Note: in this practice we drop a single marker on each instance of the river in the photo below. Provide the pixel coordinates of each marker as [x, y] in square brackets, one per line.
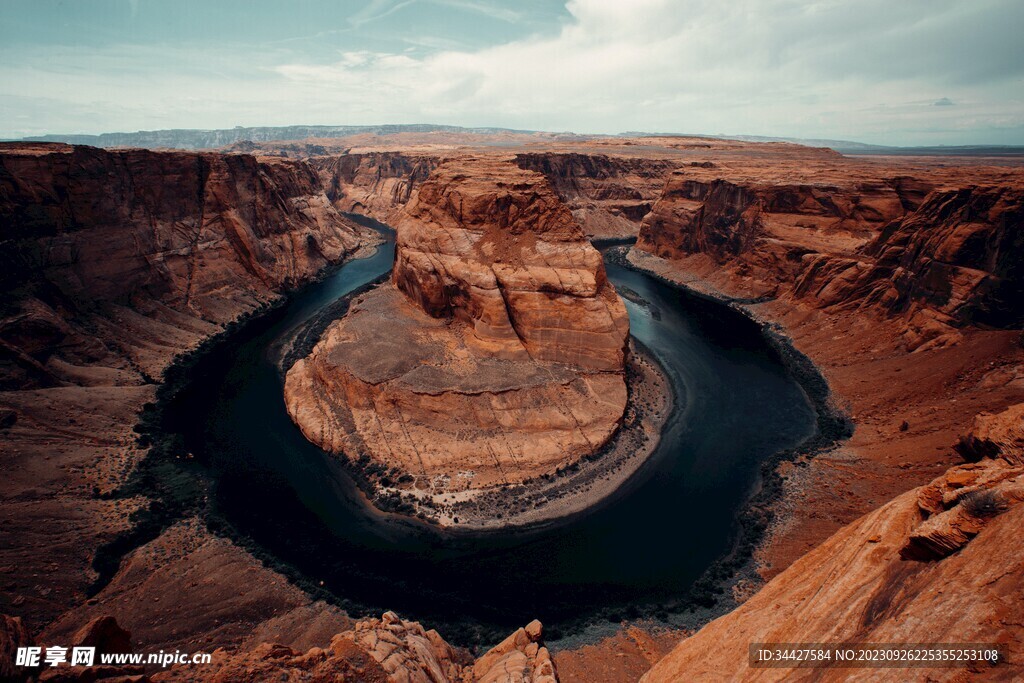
[638, 551]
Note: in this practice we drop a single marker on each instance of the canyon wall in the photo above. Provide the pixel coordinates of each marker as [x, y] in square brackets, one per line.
[114, 262]
[506, 344]
[377, 184]
[936, 256]
[904, 288]
[112, 257]
[760, 228]
[939, 564]
[958, 254]
[608, 195]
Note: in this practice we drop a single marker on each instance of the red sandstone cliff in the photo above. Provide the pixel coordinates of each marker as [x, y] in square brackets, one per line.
[608, 195]
[113, 257]
[493, 246]
[113, 263]
[377, 184]
[939, 259]
[766, 227]
[504, 359]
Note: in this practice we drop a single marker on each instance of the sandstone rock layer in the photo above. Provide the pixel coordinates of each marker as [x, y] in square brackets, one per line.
[938, 256]
[109, 251]
[504, 347]
[931, 566]
[493, 246]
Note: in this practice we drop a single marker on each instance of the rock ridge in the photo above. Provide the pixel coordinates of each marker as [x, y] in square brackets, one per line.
[506, 344]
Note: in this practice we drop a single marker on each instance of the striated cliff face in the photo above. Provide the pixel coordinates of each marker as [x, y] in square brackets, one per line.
[377, 184]
[608, 195]
[505, 351]
[106, 249]
[114, 262]
[935, 565]
[953, 262]
[718, 218]
[959, 253]
[940, 259]
[494, 247]
[769, 226]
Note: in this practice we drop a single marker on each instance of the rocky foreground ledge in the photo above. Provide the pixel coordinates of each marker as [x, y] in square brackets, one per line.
[388, 649]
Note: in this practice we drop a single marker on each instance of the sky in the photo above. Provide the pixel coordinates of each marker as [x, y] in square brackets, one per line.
[901, 72]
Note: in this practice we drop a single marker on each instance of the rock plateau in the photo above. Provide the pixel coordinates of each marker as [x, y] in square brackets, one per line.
[505, 348]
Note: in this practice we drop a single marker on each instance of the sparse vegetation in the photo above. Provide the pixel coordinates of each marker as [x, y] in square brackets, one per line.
[984, 503]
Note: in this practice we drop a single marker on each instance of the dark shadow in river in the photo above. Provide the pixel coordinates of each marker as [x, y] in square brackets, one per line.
[645, 546]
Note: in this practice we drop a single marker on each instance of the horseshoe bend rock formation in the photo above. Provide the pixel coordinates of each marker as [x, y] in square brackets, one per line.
[492, 245]
[496, 353]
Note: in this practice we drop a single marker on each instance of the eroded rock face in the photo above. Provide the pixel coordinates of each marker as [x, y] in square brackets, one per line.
[995, 436]
[505, 345]
[767, 228]
[608, 195]
[960, 253]
[491, 245]
[936, 564]
[197, 221]
[107, 239]
[937, 257]
[520, 657]
[388, 650]
[377, 184]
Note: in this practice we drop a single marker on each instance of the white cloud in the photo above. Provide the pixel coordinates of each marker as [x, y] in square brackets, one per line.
[782, 67]
[867, 70]
[377, 9]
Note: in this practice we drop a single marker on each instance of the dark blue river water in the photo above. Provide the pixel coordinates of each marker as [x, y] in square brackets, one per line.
[643, 547]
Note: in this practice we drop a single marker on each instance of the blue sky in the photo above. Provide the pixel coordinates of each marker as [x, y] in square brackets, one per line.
[882, 71]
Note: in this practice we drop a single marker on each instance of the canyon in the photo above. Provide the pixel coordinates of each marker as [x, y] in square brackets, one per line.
[899, 278]
[505, 348]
